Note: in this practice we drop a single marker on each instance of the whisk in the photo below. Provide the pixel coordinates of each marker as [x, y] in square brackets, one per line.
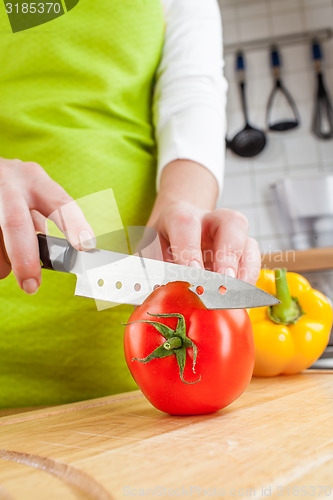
[322, 125]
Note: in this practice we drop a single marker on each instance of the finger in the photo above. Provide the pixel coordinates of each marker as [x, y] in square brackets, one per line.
[40, 222]
[183, 231]
[52, 201]
[149, 245]
[166, 250]
[250, 262]
[5, 266]
[20, 239]
[227, 230]
[209, 266]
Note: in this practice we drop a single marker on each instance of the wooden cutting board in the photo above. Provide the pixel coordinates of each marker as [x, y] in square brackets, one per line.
[277, 436]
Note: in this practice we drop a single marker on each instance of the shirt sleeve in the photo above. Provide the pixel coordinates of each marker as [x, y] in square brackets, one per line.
[190, 93]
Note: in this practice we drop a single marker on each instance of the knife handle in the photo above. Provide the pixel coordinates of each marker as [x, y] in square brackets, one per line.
[56, 253]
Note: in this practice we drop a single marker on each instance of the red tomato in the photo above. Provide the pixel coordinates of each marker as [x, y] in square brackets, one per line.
[225, 353]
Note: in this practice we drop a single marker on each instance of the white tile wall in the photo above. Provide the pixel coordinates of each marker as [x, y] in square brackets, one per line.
[297, 152]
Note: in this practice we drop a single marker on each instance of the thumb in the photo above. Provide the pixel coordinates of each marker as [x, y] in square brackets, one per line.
[184, 235]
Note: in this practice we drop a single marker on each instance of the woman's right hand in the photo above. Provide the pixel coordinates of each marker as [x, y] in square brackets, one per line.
[28, 196]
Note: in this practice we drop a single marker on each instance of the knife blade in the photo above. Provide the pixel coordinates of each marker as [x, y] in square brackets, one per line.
[129, 279]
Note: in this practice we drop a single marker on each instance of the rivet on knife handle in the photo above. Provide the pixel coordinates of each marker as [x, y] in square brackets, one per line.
[56, 253]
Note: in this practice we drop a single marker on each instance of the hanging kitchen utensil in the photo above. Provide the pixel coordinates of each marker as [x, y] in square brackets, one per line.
[250, 141]
[280, 89]
[322, 125]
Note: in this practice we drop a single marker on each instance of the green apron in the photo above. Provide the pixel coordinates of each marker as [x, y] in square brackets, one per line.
[76, 97]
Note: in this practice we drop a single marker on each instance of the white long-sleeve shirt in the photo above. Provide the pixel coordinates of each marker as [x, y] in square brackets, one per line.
[190, 94]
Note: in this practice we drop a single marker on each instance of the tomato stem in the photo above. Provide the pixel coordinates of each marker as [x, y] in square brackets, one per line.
[173, 343]
[177, 342]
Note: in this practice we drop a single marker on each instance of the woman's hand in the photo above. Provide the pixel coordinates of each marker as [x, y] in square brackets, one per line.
[192, 233]
[27, 197]
[216, 240]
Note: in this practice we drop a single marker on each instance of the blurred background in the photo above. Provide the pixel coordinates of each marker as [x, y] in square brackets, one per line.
[253, 26]
[286, 190]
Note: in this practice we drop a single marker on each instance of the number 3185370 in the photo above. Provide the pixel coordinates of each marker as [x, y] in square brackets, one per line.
[33, 8]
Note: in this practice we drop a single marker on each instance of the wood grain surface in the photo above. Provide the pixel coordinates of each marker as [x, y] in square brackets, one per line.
[313, 259]
[274, 440]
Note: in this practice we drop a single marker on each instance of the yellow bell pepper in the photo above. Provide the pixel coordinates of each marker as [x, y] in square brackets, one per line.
[292, 335]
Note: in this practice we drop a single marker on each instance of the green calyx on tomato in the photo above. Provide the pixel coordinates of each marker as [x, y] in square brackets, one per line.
[177, 342]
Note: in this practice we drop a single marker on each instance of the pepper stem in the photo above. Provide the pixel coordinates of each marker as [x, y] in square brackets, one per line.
[289, 310]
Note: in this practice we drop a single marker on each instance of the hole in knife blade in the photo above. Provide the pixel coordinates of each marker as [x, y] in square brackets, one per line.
[100, 282]
[119, 285]
[200, 290]
[156, 286]
[137, 287]
[222, 290]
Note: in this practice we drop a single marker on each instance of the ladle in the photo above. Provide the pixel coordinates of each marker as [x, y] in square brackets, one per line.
[250, 141]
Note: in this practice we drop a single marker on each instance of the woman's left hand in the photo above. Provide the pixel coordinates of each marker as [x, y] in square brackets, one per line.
[216, 240]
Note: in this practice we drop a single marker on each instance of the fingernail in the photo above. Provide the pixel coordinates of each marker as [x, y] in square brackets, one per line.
[195, 263]
[30, 286]
[230, 272]
[87, 241]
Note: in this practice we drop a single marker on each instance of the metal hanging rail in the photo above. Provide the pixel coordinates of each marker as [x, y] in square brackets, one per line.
[290, 39]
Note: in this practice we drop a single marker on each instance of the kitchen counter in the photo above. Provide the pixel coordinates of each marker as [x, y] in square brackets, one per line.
[277, 437]
[313, 259]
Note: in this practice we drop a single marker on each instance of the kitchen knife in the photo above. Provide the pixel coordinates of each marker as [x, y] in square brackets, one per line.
[129, 279]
